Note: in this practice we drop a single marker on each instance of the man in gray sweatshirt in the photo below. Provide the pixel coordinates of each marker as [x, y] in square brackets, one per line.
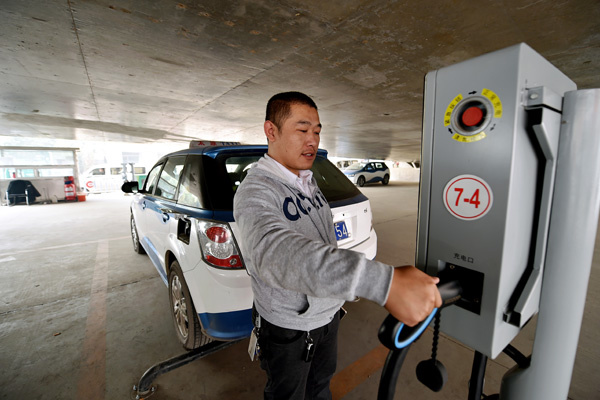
[300, 278]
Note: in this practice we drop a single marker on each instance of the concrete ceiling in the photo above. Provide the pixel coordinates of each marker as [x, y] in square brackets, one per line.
[162, 70]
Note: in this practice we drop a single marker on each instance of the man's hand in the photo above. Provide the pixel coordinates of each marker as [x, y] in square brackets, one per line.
[413, 295]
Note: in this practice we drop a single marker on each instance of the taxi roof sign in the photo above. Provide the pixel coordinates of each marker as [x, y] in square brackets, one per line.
[205, 143]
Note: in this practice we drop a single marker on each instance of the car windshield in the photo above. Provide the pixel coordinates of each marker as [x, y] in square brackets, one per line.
[355, 167]
[227, 171]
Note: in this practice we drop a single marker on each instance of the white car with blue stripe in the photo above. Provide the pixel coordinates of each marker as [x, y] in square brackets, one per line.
[369, 172]
[183, 219]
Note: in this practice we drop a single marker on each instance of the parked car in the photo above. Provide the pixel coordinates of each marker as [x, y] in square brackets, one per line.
[107, 177]
[370, 172]
[182, 218]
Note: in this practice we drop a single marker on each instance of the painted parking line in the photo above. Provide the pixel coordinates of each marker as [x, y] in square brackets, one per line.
[62, 246]
[92, 375]
[356, 373]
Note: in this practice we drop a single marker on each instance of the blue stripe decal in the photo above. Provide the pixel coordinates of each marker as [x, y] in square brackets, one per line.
[214, 151]
[193, 212]
[228, 325]
[225, 216]
[151, 251]
[359, 198]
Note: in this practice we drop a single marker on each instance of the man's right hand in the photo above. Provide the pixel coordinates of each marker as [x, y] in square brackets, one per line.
[413, 295]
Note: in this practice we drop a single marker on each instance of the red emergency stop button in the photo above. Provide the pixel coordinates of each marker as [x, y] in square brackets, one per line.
[472, 116]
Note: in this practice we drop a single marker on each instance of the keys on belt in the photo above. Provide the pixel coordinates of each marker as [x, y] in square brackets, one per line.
[309, 349]
[254, 348]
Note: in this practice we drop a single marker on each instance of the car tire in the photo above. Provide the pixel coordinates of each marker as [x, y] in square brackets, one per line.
[137, 246]
[360, 181]
[386, 179]
[187, 326]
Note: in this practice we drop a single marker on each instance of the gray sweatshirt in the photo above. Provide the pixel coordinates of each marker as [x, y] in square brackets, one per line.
[300, 278]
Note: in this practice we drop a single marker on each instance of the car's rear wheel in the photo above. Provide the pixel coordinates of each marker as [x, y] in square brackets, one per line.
[183, 312]
[386, 179]
[137, 247]
[361, 181]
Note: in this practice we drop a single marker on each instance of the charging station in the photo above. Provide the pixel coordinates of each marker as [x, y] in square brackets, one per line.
[488, 167]
[508, 208]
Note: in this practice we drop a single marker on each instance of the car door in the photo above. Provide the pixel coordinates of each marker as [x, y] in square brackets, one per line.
[370, 172]
[139, 207]
[159, 218]
[379, 171]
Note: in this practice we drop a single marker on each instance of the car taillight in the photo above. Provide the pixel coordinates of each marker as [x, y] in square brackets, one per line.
[218, 234]
[218, 245]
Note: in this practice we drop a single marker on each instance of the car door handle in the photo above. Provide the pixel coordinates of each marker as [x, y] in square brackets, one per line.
[143, 205]
[165, 213]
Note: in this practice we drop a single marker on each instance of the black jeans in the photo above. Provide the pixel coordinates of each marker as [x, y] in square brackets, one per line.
[289, 377]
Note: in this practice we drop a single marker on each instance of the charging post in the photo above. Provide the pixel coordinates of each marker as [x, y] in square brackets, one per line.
[508, 208]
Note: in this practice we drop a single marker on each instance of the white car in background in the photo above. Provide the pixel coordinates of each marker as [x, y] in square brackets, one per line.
[182, 218]
[107, 177]
[369, 172]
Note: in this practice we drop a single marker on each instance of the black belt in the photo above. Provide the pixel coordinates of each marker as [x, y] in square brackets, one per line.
[267, 324]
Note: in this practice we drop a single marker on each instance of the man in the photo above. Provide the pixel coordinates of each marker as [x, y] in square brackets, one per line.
[300, 278]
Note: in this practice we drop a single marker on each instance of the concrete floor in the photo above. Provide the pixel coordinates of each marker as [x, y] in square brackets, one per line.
[59, 261]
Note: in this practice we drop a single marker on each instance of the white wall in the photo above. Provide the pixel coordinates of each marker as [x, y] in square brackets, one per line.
[403, 172]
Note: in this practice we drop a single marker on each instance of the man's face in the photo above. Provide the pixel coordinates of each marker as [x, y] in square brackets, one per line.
[295, 144]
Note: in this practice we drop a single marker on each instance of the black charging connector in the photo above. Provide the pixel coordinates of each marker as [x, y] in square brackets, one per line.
[471, 283]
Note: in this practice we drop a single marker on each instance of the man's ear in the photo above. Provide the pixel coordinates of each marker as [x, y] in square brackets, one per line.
[270, 130]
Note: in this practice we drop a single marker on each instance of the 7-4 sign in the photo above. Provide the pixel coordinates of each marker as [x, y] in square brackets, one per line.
[468, 197]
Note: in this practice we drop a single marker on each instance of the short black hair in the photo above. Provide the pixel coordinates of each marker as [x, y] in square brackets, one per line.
[279, 106]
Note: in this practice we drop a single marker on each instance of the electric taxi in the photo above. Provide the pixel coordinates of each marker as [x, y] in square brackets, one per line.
[370, 172]
[182, 218]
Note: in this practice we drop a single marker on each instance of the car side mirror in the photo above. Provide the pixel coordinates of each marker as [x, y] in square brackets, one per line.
[130, 187]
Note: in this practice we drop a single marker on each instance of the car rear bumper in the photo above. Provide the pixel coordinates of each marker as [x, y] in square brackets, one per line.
[225, 326]
[368, 247]
[222, 299]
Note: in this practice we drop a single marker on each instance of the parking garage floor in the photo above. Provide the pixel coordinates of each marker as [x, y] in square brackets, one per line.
[83, 317]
